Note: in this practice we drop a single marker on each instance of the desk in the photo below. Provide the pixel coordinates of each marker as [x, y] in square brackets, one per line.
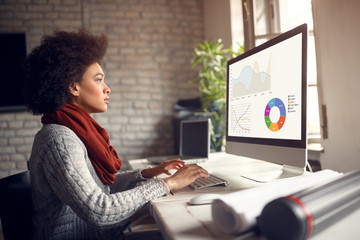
[179, 220]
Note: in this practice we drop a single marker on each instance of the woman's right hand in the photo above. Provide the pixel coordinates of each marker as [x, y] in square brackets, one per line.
[185, 176]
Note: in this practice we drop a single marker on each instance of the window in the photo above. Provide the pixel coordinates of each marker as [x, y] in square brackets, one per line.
[265, 19]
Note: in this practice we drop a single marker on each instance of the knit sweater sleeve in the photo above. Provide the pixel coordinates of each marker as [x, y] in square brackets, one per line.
[67, 170]
[126, 179]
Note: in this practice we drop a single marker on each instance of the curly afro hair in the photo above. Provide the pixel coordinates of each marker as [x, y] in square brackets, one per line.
[59, 61]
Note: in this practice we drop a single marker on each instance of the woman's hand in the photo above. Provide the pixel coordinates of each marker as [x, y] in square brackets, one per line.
[185, 176]
[164, 167]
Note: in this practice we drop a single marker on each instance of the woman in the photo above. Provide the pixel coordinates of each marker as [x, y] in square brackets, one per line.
[78, 191]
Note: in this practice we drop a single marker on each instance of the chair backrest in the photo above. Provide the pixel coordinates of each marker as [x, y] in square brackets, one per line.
[16, 206]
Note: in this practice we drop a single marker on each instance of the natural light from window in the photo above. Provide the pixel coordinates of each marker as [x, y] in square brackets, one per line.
[295, 13]
[272, 17]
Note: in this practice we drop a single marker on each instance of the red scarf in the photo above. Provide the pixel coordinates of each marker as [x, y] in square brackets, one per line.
[95, 138]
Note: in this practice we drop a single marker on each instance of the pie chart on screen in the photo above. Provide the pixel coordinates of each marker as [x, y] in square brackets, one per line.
[275, 107]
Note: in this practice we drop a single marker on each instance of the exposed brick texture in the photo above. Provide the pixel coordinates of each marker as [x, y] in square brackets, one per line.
[147, 66]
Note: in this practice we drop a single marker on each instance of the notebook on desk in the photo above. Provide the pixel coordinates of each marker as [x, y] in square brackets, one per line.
[194, 144]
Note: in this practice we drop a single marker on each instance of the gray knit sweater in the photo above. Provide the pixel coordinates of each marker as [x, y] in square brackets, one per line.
[70, 201]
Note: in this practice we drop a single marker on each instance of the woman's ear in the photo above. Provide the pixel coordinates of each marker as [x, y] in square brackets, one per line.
[74, 89]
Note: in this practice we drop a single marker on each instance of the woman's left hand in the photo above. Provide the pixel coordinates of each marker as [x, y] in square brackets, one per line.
[164, 167]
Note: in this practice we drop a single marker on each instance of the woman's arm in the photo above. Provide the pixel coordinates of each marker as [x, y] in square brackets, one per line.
[126, 179]
[163, 168]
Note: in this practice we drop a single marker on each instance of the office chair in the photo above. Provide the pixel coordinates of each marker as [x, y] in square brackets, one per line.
[16, 206]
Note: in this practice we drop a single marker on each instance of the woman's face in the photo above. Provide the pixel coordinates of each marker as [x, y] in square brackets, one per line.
[91, 93]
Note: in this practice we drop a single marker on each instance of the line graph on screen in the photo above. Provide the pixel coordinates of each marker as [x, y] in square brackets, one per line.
[241, 118]
[251, 80]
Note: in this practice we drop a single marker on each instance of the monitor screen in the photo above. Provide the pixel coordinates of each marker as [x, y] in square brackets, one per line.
[266, 101]
[12, 66]
[195, 138]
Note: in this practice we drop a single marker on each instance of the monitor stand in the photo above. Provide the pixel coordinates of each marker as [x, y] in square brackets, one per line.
[270, 175]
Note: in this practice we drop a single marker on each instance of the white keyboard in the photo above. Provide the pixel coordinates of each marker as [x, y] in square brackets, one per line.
[193, 160]
[208, 182]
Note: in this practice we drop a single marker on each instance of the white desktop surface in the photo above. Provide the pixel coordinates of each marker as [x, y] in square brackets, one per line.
[177, 219]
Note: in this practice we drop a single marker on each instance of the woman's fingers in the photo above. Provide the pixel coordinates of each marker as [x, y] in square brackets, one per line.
[185, 176]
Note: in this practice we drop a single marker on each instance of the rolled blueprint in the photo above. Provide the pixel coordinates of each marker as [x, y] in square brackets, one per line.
[237, 212]
[308, 212]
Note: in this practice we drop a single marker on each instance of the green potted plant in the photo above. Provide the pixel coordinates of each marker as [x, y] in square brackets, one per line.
[211, 59]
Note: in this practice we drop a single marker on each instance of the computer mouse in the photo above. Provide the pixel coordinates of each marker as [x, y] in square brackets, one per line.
[206, 198]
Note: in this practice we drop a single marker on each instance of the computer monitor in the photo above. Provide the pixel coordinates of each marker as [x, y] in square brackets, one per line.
[195, 138]
[266, 104]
